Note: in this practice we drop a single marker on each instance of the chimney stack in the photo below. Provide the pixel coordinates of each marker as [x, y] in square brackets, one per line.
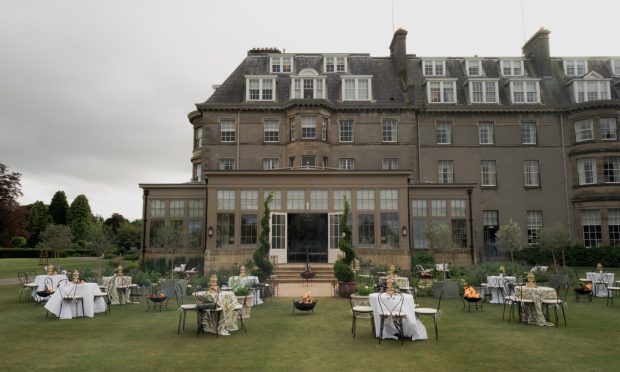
[537, 49]
[398, 51]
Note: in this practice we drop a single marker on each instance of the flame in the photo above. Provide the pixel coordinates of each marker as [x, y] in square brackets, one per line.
[307, 298]
[470, 292]
[589, 286]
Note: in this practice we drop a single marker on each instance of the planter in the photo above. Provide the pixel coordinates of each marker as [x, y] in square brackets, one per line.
[451, 289]
[245, 312]
[346, 289]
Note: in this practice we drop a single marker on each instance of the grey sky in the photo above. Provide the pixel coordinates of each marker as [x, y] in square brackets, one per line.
[94, 94]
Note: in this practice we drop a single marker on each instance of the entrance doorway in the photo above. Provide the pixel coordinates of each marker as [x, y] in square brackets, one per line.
[307, 237]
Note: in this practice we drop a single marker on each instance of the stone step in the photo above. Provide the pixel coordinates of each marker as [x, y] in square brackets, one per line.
[290, 273]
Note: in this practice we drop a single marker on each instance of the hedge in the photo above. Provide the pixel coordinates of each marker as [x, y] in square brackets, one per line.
[20, 253]
[575, 256]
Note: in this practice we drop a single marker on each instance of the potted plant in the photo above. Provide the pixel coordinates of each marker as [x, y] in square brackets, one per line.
[365, 286]
[342, 267]
[244, 293]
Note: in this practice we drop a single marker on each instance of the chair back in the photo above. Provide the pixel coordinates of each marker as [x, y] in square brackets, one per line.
[23, 277]
[508, 288]
[48, 287]
[604, 279]
[562, 291]
[420, 268]
[443, 288]
[391, 304]
[178, 291]
[66, 290]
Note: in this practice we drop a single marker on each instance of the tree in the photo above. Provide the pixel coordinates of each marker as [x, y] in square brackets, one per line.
[59, 207]
[115, 221]
[171, 237]
[99, 240]
[508, 240]
[38, 219]
[56, 238]
[128, 234]
[440, 238]
[261, 254]
[13, 217]
[79, 217]
[554, 238]
[342, 266]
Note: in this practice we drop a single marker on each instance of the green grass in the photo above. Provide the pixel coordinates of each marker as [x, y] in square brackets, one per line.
[132, 339]
[10, 266]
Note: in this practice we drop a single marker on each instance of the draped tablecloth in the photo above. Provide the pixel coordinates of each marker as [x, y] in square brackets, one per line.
[600, 290]
[532, 313]
[412, 327]
[71, 309]
[495, 283]
[119, 289]
[39, 280]
[248, 281]
[228, 320]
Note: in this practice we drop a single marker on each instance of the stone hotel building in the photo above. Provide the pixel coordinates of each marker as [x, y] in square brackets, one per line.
[471, 142]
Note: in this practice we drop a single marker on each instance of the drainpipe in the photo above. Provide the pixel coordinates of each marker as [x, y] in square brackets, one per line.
[238, 135]
[205, 227]
[145, 196]
[417, 144]
[568, 205]
[409, 218]
[471, 229]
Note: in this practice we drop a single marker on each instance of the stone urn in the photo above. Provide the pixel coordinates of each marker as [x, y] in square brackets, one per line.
[346, 289]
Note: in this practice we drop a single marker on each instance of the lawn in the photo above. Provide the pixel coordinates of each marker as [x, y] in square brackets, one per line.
[132, 339]
[10, 266]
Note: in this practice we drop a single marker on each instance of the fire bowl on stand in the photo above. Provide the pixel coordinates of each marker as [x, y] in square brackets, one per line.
[304, 306]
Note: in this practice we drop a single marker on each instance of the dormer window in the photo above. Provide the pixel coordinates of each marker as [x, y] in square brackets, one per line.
[441, 91]
[357, 88]
[473, 67]
[575, 67]
[483, 91]
[260, 88]
[592, 87]
[434, 67]
[525, 91]
[615, 66]
[308, 84]
[512, 67]
[281, 64]
[334, 64]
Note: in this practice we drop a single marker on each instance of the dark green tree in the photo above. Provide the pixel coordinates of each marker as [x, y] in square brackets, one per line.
[79, 217]
[99, 240]
[342, 266]
[56, 238]
[261, 254]
[38, 219]
[59, 207]
[128, 234]
[115, 221]
[13, 217]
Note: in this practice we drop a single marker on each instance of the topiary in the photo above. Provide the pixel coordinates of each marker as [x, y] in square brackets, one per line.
[342, 271]
[261, 255]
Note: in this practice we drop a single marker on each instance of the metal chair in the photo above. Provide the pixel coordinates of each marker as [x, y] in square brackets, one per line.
[238, 308]
[434, 313]
[390, 308]
[612, 291]
[361, 311]
[69, 295]
[209, 310]
[181, 307]
[106, 298]
[601, 281]
[560, 301]
[521, 302]
[507, 291]
[25, 284]
[48, 290]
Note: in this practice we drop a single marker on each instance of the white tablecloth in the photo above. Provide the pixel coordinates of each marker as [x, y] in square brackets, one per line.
[495, 283]
[412, 327]
[39, 281]
[69, 308]
[600, 290]
[247, 281]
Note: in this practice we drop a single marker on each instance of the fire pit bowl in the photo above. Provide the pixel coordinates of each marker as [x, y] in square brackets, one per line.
[304, 306]
[472, 299]
[583, 290]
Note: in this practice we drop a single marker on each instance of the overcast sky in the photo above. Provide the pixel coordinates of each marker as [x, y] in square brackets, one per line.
[94, 95]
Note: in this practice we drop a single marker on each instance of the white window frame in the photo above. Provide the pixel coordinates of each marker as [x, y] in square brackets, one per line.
[445, 171]
[435, 65]
[261, 87]
[197, 172]
[324, 124]
[391, 130]
[305, 125]
[344, 133]
[585, 86]
[280, 62]
[228, 126]
[197, 137]
[529, 135]
[319, 87]
[222, 164]
[487, 95]
[346, 163]
[443, 85]
[615, 66]
[357, 89]
[488, 173]
[572, 67]
[531, 173]
[611, 166]
[586, 170]
[609, 129]
[335, 59]
[469, 64]
[584, 130]
[271, 163]
[534, 225]
[291, 125]
[513, 64]
[443, 128]
[389, 163]
[523, 84]
[486, 133]
[271, 126]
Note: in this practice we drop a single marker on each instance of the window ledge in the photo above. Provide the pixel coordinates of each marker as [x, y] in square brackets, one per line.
[533, 187]
[488, 187]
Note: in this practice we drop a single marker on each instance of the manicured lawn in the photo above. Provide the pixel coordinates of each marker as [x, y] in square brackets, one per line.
[10, 266]
[132, 339]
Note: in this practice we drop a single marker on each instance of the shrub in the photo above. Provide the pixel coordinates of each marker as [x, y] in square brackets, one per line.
[342, 271]
[365, 290]
[422, 258]
[18, 242]
[241, 291]
[19, 253]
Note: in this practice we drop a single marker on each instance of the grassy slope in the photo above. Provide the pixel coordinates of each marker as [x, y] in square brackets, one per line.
[132, 339]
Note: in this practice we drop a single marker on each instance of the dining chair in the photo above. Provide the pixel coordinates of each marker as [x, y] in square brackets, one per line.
[391, 308]
[600, 282]
[239, 312]
[508, 295]
[612, 291]
[48, 290]
[26, 284]
[181, 307]
[521, 303]
[361, 311]
[434, 313]
[70, 295]
[560, 301]
[209, 310]
[106, 298]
